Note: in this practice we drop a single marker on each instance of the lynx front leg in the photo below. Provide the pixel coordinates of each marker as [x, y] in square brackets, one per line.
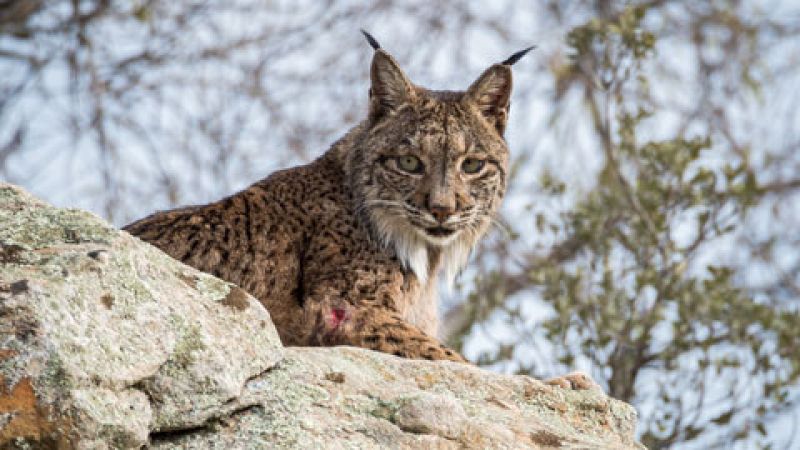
[376, 328]
[576, 381]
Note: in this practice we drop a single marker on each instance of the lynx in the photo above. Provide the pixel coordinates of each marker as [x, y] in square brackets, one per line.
[347, 250]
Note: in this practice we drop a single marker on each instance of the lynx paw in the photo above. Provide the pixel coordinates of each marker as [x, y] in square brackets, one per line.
[578, 381]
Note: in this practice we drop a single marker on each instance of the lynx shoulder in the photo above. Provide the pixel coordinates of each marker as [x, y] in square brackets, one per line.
[347, 249]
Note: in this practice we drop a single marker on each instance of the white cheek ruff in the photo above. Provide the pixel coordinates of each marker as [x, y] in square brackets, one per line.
[409, 247]
[414, 258]
[456, 253]
[454, 258]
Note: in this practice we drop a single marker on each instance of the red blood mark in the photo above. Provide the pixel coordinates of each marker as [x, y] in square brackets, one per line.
[338, 315]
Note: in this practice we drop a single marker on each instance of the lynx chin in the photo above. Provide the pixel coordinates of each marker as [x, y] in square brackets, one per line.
[347, 249]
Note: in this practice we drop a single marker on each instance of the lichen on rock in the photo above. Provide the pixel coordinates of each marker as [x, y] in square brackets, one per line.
[95, 320]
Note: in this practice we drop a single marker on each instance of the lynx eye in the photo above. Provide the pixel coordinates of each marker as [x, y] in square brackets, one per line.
[472, 165]
[410, 164]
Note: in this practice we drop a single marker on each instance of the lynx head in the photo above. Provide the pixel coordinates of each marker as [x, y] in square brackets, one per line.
[429, 168]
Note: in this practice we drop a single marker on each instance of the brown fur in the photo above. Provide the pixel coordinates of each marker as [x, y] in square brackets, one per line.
[337, 250]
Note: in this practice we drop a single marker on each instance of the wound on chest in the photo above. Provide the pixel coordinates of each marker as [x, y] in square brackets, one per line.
[337, 316]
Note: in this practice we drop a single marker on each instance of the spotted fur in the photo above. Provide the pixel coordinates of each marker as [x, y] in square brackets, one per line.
[346, 250]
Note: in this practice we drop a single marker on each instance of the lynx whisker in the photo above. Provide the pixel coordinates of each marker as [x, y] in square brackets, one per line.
[500, 225]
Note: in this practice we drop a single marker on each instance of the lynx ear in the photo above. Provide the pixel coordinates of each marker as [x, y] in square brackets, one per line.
[390, 88]
[491, 93]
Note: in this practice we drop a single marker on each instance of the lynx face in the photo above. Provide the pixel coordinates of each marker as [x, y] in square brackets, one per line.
[443, 180]
[432, 165]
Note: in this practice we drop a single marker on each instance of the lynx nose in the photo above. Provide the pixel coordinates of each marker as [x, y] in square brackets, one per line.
[441, 212]
[441, 204]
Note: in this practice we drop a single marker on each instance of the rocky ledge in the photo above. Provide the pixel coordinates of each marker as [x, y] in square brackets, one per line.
[105, 342]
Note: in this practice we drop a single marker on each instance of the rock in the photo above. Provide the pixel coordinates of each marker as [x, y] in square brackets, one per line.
[104, 339]
[105, 342]
[389, 402]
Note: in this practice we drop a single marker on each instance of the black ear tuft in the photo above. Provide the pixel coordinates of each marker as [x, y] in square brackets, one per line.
[517, 56]
[371, 40]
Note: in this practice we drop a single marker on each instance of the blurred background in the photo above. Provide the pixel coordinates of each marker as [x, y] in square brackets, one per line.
[652, 232]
